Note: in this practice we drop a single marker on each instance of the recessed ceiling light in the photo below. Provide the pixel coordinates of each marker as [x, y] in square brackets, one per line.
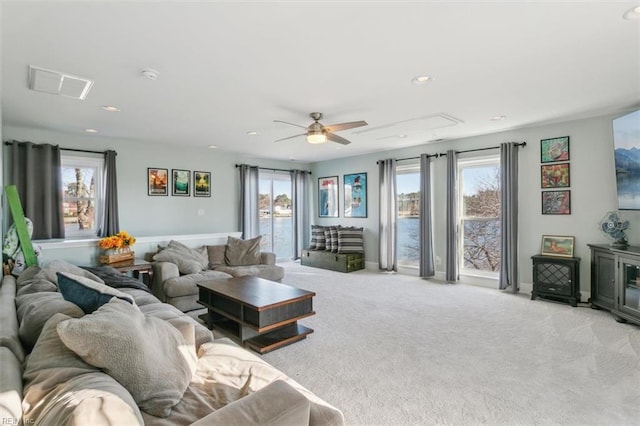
[150, 73]
[212, 146]
[402, 136]
[111, 108]
[633, 13]
[498, 118]
[421, 79]
[91, 130]
[252, 133]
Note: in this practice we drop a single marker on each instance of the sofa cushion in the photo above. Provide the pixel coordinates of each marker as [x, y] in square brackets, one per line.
[142, 353]
[216, 255]
[268, 272]
[50, 270]
[89, 295]
[276, 404]
[242, 252]
[10, 387]
[9, 326]
[60, 388]
[350, 240]
[35, 309]
[188, 260]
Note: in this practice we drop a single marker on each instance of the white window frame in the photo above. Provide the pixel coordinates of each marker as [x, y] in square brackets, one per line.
[489, 160]
[272, 176]
[407, 168]
[86, 161]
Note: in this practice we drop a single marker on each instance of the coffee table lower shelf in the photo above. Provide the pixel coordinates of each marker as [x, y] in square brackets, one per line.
[261, 343]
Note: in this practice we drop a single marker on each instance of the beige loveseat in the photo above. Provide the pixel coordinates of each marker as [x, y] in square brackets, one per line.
[178, 269]
[131, 361]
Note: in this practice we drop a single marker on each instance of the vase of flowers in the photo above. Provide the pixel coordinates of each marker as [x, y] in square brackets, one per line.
[117, 248]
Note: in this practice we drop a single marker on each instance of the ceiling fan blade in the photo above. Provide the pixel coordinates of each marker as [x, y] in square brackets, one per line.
[345, 126]
[335, 138]
[291, 137]
[291, 124]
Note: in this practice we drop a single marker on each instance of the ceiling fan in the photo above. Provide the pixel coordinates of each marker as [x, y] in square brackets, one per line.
[318, 133]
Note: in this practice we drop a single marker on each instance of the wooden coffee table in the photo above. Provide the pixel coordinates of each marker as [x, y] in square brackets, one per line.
[262, 314]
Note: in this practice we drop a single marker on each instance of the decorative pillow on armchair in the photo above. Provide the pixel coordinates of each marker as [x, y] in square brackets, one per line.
[188, 260]
[242, 252]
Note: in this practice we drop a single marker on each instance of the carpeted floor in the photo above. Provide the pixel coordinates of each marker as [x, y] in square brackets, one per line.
[391, 349]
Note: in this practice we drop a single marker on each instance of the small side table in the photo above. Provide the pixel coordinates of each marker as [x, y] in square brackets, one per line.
[139, 268]
[556, 278]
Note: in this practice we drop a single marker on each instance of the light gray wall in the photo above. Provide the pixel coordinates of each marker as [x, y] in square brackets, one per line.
[592, 186]
[593, 190]
[143, 215]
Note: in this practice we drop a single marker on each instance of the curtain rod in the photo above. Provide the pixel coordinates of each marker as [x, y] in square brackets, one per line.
[276, 170]
[67, 149]
[457, 152]
[523, 144]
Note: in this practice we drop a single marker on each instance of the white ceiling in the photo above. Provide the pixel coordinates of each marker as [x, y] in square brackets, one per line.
[227, 68]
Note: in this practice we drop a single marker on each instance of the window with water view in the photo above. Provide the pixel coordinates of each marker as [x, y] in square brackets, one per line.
[408, 204]
[81, 186]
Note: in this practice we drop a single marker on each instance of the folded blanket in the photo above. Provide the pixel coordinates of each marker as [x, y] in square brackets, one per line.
[114, 278]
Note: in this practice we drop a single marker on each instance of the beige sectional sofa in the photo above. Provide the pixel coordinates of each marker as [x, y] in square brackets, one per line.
[177, 269]
[74, 350]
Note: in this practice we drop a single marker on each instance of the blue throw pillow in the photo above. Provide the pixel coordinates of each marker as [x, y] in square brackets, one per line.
[89, 295]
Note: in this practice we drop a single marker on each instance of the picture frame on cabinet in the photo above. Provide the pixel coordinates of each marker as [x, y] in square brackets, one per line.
[557, 245]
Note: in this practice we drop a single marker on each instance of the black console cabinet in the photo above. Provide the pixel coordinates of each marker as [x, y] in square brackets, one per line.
[556, 277]
[615, 281]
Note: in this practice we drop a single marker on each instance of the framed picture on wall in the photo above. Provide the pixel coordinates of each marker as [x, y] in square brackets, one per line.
[202, 184]
[554, 175]
[157, 180]
[554, 149]
[355, 195]
[556, 202]
[328, 196]
[181, 180]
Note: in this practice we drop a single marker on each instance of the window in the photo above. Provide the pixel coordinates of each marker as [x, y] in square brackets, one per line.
[82, 183]
[408, 204]
[479, 203]
[275, 213]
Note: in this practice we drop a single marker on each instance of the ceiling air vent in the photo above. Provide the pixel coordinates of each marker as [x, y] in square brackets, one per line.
[58, 83]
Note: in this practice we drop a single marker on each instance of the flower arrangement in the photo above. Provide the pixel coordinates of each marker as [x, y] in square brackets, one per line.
[118, 241]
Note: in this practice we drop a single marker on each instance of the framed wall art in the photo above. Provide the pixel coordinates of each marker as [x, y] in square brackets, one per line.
[181, 180]
[555, 175]
[556, 202]
[355, 195]
[328, 196]
[157, 180]
[201, 184]
[554, 245]
[554, 149]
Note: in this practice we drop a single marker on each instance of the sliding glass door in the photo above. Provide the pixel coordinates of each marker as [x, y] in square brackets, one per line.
[275, 213]
[408, 202]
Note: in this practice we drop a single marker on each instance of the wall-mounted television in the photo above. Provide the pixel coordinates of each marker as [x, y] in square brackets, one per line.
[626, 142]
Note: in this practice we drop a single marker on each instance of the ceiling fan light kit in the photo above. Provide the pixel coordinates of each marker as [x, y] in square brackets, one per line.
[317, 133]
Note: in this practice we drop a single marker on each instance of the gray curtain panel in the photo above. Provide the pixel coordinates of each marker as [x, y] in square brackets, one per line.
[300, 209]
[249, 185]
[110, 217]
[452, 217]
[509, 216]
[36, 175]
[387, 256]
[427, 268]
